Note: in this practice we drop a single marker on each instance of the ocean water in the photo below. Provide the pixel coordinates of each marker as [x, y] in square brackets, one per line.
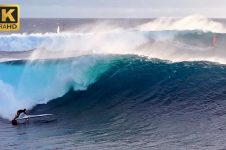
[115, 84]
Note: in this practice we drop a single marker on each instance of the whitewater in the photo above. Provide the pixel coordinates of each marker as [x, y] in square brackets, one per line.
[148, 83]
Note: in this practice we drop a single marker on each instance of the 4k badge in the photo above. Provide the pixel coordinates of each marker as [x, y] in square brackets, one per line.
[9, 18]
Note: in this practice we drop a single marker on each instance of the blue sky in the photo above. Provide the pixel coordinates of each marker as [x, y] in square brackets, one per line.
[119, 8]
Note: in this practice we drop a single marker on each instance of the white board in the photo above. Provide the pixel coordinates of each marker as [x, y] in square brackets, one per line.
[33, 116]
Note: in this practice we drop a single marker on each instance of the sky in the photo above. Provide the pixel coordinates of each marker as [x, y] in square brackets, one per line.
[119, 8]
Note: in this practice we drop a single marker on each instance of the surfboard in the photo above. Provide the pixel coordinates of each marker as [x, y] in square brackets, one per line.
[33, 116]
[42, 118]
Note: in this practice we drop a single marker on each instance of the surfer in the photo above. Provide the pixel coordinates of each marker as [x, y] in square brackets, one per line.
[19, 112]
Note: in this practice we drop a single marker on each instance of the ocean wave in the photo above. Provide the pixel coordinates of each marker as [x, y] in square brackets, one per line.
[38, 82]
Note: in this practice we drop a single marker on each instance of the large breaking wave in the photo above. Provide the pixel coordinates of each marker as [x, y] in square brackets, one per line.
[37, 81]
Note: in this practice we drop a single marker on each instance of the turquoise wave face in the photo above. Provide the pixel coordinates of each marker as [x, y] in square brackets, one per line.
[26, 84]
[133, 81]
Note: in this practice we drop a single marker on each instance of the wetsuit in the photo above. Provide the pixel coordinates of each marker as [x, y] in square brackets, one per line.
[20, 112]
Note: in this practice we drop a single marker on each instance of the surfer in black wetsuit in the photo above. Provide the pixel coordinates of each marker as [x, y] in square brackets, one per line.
[14, 122]
[20, 112]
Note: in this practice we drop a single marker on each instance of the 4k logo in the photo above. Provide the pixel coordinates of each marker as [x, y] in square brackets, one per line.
[9, 18]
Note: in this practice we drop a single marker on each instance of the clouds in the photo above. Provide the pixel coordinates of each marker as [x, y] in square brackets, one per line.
[119, 8]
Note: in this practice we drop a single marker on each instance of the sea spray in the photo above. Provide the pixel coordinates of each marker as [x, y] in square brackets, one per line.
[186, 39]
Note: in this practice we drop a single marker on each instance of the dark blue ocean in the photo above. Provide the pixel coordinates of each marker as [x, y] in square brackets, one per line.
[155, 84]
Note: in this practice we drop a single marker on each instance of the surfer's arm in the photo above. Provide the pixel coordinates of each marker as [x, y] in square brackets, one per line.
[25, 113]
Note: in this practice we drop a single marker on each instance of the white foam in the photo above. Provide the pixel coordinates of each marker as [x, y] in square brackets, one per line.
[194, 22]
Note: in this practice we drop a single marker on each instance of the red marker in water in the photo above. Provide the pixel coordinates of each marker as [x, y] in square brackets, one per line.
[214, 40]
